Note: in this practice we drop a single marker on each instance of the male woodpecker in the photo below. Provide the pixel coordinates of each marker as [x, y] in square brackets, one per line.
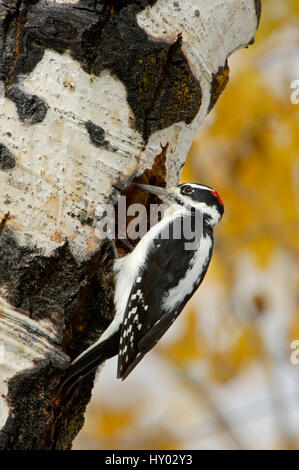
[155, 281]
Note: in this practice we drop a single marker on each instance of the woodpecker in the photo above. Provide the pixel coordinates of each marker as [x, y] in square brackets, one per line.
[155, 281]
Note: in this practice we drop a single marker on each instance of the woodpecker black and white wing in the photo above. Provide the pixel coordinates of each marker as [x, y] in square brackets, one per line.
[158, 296]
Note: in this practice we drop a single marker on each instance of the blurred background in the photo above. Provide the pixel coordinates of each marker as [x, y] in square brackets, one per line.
[222, 377]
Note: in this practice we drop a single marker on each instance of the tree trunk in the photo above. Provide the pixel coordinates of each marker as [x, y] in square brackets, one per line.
[93, 93]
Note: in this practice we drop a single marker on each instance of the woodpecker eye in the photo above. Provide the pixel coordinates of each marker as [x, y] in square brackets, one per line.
[187, 190]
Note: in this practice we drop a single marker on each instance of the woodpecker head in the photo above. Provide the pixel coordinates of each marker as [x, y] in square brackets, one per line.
[191, 195]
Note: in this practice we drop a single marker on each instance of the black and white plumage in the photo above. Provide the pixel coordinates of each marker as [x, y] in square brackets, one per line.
[156, 280]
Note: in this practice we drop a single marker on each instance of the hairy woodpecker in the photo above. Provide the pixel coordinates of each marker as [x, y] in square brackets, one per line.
[155, 281]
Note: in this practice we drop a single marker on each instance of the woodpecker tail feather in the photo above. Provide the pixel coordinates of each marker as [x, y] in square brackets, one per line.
[90, 360]
[147, 342]
[124, 374]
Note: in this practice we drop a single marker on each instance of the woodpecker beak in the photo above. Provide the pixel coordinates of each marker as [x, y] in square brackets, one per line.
[118, 186]
[156, 190]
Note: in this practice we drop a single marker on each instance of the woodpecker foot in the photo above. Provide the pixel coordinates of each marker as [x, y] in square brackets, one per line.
[107, 246]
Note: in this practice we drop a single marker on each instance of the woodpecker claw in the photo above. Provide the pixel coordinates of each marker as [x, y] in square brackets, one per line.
[109, 244]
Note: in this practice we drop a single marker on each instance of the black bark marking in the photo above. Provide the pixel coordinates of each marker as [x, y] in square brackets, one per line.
[219, 82]
[78, 300]
[5, 218]
[160, 85]
[83, 217]
[258, 10]
[97, 135]
[18, 53]
[31, 109]
[7, 159]
[44, 287]
[30, 394]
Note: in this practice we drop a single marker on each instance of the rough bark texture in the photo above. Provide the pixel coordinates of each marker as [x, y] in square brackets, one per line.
[94, 92]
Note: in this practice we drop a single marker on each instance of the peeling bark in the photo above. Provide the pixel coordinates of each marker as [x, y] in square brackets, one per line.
[94, 93]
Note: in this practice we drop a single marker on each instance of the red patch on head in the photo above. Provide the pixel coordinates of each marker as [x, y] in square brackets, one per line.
[218, 197]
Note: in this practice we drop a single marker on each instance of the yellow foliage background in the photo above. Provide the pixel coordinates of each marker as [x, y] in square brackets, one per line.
[222, 377]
